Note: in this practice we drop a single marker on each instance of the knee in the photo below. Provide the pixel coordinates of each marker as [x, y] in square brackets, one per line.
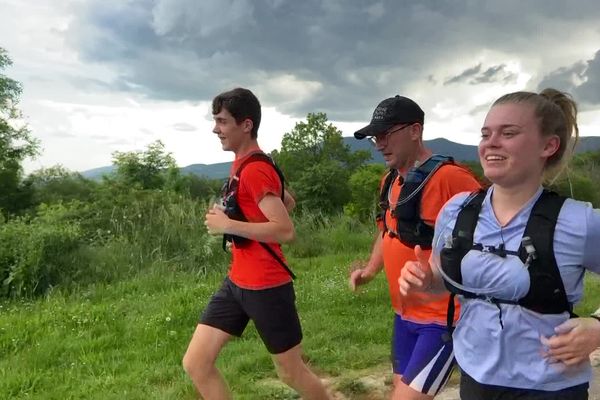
[196, 366]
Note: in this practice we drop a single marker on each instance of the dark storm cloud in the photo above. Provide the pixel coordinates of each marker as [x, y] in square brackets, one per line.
[589, 90]
[341, 57]
[493, 74]
[464, 76]
[474, 75]
[581, 79]
[564, 78]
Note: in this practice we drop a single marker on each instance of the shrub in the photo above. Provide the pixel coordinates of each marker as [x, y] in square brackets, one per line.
[33, 252]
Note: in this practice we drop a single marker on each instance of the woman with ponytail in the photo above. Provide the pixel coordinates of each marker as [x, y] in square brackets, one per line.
[516, 266]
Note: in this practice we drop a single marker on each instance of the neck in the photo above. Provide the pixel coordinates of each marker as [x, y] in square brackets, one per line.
[508, 201]
[246, 148]
[421, 155]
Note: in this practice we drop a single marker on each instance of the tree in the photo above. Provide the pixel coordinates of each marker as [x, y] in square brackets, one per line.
[150, 169]
[364, 191]
[317, 163]
[57, 184]
[16, 143]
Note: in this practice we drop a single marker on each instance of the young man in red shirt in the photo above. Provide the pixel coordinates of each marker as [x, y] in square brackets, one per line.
[258, 286]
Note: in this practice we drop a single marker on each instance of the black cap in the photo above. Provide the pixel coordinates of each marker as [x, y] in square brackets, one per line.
[393, 111]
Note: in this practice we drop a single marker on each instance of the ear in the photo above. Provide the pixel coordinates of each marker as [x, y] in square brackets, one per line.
[551, 146]
[248, 125]
[416, 131]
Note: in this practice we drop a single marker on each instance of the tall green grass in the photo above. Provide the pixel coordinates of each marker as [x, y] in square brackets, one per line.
[124, 338]
[73, 244]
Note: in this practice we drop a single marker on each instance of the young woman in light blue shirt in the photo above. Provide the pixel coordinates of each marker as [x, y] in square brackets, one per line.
[506, 350]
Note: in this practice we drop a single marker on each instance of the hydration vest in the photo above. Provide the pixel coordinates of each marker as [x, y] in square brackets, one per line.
[411, 230]
[546, 293]
[233, 210]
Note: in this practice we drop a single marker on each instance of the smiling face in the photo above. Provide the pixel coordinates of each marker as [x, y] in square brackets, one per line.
[231, 134]
[512, 150]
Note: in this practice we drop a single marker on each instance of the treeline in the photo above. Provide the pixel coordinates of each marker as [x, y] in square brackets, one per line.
[61, 230]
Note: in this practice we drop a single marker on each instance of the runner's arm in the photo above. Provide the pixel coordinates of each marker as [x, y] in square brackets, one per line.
[288, 201]
[278, 229]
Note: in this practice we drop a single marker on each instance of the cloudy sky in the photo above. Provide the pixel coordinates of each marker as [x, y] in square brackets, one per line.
[106, 75]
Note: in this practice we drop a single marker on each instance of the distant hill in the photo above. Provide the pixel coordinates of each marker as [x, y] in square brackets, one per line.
[97, 173]
[461, 152]
[218, 170]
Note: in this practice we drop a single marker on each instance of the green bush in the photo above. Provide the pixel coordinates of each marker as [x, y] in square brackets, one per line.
[364, 192]
[112, 238]
[318, 234]
[33, 252]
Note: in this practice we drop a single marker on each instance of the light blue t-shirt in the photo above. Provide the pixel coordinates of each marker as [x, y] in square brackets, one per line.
[511, 356]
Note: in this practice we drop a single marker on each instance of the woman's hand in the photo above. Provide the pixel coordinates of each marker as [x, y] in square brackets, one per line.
[574, 341]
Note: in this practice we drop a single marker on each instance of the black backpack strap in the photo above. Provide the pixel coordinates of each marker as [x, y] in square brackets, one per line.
[462, 241]
[424, 172]
[464, 229]
[411, 229]
[279, 260]
[547, 291]
[260, 156]
[384, 202]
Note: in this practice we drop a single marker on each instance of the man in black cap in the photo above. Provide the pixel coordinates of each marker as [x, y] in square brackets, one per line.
[413, 191]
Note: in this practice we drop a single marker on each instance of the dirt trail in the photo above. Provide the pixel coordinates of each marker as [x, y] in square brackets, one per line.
[375, 384]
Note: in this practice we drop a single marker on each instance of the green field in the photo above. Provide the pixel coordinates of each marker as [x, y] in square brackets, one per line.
[125, 340]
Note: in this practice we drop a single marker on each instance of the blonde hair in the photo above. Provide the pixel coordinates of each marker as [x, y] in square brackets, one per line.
[557, 115]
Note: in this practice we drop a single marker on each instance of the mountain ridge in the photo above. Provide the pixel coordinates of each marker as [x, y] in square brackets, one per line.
[460, 152]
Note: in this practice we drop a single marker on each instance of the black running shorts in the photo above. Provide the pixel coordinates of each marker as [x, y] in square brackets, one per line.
[272, 310]
[470, 389]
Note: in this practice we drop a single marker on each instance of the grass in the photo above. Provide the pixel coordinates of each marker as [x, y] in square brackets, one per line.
[125, 340]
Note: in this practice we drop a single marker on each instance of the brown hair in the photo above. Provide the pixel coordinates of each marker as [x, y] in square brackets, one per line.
[242, 104]
[557, 115]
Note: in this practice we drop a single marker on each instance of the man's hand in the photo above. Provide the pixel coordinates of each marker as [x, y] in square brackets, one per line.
[359, 275]
[574, 341]
[416, 275]
[217, 222]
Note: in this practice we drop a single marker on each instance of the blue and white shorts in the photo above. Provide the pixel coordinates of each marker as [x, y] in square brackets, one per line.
[421, 355]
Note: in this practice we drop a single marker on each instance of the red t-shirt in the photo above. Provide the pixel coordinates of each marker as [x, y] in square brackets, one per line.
[252, 267]
[422, 307]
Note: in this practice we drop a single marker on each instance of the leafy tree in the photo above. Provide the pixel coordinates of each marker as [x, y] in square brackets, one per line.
[57, 184]
[16, 143]
[150, 169]
[317, 163]
[198, 187]
[364, 191]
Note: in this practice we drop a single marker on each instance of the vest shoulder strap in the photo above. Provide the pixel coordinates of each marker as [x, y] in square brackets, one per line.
[540, 230]
[260, 156]
[467, 218]
[434, 162]
[387, 182]
[425, 171]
